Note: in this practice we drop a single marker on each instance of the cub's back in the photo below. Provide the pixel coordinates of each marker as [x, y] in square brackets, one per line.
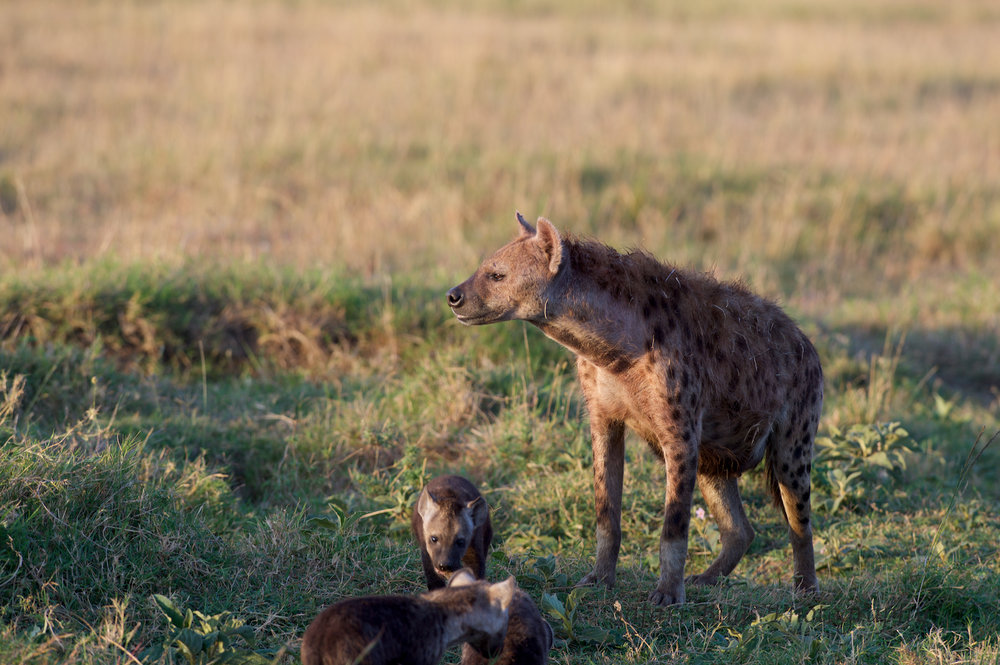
[393, 627]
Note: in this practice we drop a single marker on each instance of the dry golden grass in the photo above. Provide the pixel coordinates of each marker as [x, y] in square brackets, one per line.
[762, 138]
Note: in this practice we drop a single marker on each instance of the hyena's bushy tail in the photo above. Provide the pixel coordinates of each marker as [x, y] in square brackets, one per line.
[771, 481]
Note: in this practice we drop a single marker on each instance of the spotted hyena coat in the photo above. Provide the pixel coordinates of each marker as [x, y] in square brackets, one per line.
[712, 376]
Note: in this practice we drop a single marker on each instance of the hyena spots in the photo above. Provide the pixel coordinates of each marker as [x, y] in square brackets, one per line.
[712, 376]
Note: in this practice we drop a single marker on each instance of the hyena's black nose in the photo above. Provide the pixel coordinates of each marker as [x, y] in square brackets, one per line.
[455, 297]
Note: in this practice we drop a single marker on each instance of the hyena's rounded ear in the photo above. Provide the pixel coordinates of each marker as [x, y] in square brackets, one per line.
[480, 511]
[526, 228]
[503, 592]
[464, 577]
[426, 504]
[551, 243]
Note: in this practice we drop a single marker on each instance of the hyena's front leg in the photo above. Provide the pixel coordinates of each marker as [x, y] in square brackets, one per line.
[680, 456]
[608, 441]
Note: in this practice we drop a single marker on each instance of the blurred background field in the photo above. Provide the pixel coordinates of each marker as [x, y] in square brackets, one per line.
[226, 230]
[842, 157]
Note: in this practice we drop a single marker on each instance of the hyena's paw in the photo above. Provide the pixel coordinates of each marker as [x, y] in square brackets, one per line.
[595, 578]
[705, 579]
[806, 585]
[663, 597]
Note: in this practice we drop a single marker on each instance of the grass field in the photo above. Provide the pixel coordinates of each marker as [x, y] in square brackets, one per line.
[227, 367]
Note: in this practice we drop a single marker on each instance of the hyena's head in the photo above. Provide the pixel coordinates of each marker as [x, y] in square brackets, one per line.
[513, 283]
[448, 527]
[481, 609]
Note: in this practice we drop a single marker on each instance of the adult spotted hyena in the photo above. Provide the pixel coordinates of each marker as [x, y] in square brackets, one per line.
[713, 377]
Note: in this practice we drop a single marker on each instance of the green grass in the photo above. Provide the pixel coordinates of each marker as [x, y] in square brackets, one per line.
[269, 486]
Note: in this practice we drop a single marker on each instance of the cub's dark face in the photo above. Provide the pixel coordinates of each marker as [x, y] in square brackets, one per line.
[448, 528]
[447, 537]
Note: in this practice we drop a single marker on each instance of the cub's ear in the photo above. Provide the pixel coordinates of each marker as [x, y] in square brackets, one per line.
[503, 592]
[526, 228]
[464, 577]
[480, 511]
[426, 505]
[551, 243]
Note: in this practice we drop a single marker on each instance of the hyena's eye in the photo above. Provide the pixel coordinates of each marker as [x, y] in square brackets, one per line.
[460, 542]
[495, 276]
[434, 539]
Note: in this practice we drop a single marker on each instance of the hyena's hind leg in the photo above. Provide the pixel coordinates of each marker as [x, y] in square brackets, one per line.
[722, 497]
[790, 470]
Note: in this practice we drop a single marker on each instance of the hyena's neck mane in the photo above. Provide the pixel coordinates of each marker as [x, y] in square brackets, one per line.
[617, 307]
[603, 295]
[621, 276]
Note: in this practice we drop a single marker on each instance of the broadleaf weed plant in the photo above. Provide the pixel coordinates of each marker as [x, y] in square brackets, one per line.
[568, 624]
[849, 463]
[202, 639]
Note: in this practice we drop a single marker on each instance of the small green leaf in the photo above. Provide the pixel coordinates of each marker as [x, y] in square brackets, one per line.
[190, 639]
[588, 633]
[551, 602]
[168, 608]
[246, 632]
[185, 651]
[152, 655]
[321, 523]
[576, 595]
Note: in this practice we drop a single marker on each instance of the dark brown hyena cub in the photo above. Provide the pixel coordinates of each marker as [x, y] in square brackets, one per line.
[385, 630]
[451, 522]
[529, 638]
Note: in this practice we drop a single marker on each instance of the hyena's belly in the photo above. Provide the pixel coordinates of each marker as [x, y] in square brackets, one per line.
[732, 441]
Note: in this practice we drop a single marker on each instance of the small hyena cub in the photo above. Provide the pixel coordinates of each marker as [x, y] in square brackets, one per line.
[451, 522]
[712, 376]
[529, 638]
[384, 630]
